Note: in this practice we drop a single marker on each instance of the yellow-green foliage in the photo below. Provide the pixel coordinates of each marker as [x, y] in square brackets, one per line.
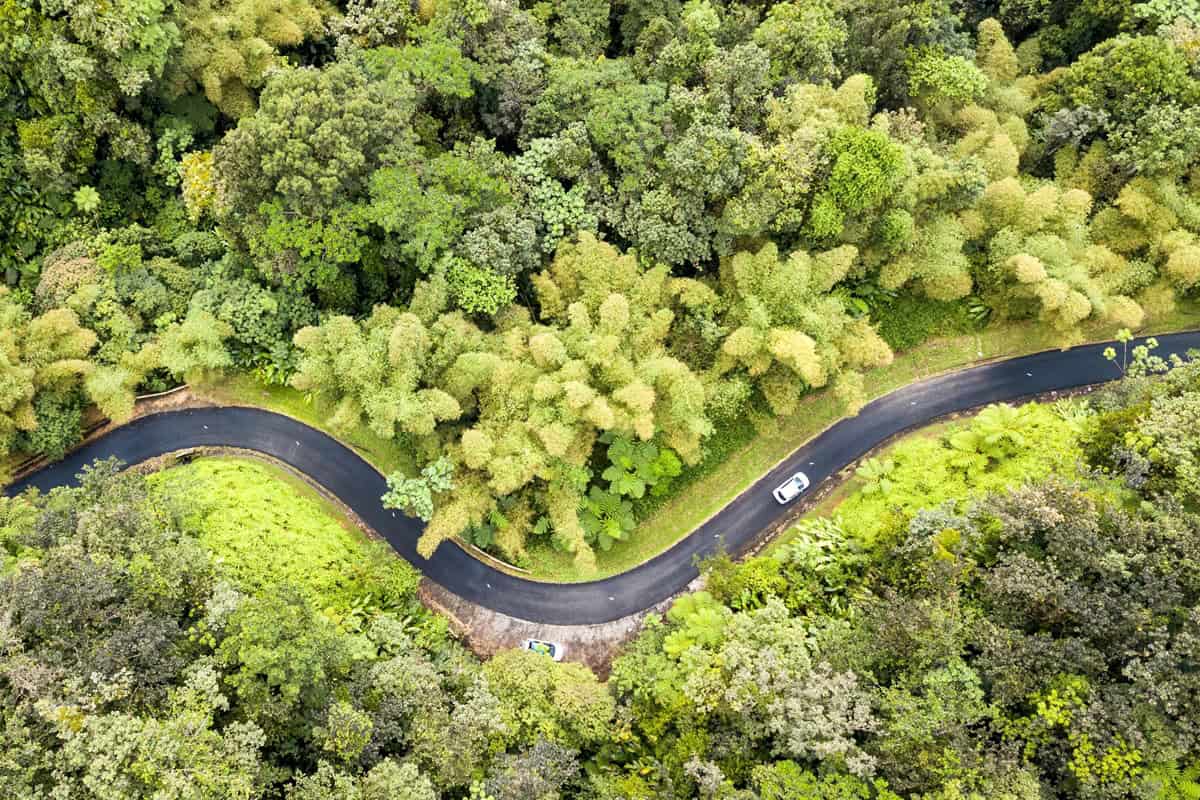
[995, 139]
[541, 699]
[543, 392]
[993, 53]
[230, 45]
[45, 353]
[935, 264]
[198, 187]
[267, 531]
[1153, 225]
[1042, 258]
[787, 333]
[782, 166]
[532, 396]
[929, 470]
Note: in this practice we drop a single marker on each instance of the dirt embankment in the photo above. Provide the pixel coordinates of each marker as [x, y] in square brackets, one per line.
[487, 632]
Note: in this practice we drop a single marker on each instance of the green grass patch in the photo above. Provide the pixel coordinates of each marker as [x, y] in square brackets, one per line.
[266, 527]
[702, 491]
[387, 455]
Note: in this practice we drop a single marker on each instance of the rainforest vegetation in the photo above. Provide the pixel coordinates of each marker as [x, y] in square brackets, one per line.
[553, 250]
[554, 247]
[1005, 608]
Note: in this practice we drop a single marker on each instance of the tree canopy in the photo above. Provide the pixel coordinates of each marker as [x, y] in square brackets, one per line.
[557, 259]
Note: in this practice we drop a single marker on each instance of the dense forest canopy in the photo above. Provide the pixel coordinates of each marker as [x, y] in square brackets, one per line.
[554, 248]
[1022, 643]
[520, 235]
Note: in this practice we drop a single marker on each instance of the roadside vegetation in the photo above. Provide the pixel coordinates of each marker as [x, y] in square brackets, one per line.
[1005, 607]
[742, 451]
[1000, 447]
[984, 607]
[538, 261]
[266, 528]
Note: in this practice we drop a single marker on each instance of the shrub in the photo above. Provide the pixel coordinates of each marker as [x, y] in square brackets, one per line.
[743, 586]
[268, 533]
[59, 425]
[907, 321]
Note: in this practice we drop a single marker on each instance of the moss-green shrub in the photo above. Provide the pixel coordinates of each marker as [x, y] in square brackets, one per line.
[746, 585]
[929, 471]
[267, 528]
[1107, 431]
[906, 321]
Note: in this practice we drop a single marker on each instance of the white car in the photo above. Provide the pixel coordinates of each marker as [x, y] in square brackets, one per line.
[792, 488]
[555, 651]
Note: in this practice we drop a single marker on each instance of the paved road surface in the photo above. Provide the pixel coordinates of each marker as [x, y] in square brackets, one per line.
[341, 471]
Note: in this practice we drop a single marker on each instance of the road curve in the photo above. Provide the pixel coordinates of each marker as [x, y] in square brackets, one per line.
[346, 475]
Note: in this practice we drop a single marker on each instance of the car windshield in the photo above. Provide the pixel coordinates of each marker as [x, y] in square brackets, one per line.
[541, 647]
[791, 488]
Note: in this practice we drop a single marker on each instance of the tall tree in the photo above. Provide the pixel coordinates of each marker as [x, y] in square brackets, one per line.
[229, 46]
[43, 356]
[294, 177]
[787, 333]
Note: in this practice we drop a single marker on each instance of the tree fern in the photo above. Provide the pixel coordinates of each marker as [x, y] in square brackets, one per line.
[1167, 781]
[877, 474]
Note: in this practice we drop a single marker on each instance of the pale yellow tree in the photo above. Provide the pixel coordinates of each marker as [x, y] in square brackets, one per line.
[229, 46]
[540, 392]
[994, 55]
[1043, 262]
[374, 373]
[198, 184]
[935, 265]
[1155, 223]
[113, 387]
[47, 353]
[787, 333]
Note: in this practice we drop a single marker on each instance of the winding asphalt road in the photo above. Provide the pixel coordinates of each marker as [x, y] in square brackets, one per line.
[346, 475]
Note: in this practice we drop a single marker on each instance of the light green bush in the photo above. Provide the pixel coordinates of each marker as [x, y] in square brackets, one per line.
[929, 470]
[267, 529]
